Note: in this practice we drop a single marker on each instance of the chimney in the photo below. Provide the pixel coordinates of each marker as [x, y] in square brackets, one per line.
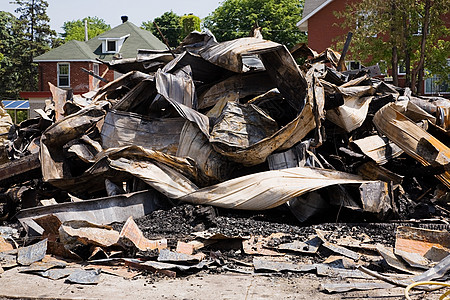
[124, 18]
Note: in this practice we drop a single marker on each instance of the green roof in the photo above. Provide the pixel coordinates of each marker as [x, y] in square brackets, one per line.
[72, 50]
[91, 50]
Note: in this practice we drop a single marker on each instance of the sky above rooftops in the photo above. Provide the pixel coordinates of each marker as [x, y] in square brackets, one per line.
[138, 11]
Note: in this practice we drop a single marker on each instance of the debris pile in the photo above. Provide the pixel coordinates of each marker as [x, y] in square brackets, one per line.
[230, 126]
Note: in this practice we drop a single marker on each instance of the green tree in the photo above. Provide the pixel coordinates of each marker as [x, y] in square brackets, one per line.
[38, 37]
[189, 23]
[10, 67]
[277, 19]
[74, 30]
[170, 25]
[406, 32]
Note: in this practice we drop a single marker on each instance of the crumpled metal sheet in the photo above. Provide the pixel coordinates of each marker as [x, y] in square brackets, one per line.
[235, 87]
[277, 61]
[124, 128]
[213, 166]
[30, 254]
[100, 211]
[240, 126]
[412, 139]
[377, 197]
[229, 54]
[179, 87]
[202, 70]
[379, 149]
[59, 97]
[53, 161]
[252, 192]
[353, 112]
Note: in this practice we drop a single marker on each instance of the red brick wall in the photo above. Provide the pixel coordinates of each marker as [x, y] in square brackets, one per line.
[323, 28]
[80, 82]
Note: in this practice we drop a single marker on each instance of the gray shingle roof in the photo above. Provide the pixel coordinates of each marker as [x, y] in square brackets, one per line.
[91, 50]
[70, 51]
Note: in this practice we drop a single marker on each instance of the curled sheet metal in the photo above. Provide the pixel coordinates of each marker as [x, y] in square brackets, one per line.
[241, 85]
[353, 112]
[213, 166]
[53, 162]
[239, 126]
[412, 139]
[379, 149]
[229, 54]
[257, 191]
[277, 61]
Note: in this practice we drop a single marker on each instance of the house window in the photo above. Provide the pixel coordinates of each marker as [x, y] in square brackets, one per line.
[435, 86]
[365, 18]
[353, 65]
[111, 46]
[401, 68]
[64, 75]
[96, 72]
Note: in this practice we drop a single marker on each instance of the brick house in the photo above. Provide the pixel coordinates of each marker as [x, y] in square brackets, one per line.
[320, 23]
[63, 65]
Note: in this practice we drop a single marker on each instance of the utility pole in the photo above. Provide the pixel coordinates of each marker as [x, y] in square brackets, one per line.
[85, 30]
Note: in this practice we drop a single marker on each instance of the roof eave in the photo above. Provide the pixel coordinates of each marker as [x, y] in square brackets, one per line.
[301, 24]
[65, 60]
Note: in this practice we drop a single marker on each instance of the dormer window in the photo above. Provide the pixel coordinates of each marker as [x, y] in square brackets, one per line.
[112, 45]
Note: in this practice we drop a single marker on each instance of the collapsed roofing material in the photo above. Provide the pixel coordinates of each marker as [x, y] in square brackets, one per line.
[205, 125]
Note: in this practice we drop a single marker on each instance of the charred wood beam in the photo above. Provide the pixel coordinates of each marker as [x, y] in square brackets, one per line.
[94, 75]
[20, 170]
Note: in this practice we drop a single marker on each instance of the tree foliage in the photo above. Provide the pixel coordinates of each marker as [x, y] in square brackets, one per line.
[277, 18]
[407, 32]
[10, 67]
[170, 25]
[189, 23]
[74, 30]
[36, 37]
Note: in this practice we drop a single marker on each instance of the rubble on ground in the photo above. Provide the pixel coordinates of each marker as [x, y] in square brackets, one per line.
[217, 157]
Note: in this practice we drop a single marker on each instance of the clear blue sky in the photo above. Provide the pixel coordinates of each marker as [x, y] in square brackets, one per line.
[137, 11]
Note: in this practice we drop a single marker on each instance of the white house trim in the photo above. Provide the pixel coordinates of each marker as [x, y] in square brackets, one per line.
[305, 19]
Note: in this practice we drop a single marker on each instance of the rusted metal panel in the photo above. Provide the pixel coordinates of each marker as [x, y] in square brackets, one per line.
[76, 232]
[419, 240]
[130, 231]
